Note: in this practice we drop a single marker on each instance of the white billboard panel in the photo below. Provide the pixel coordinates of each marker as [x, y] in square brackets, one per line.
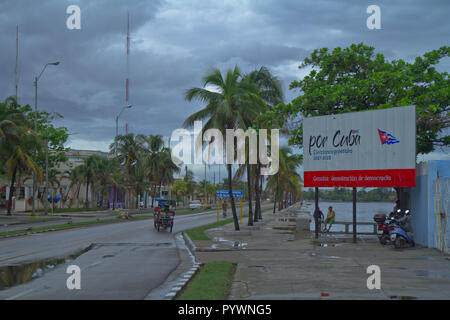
[361, 149]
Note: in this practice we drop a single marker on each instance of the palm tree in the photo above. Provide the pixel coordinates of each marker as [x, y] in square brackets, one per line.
[17, 141]
[189, 180]
[75, 177]
[128, 150]
[157, 171]
[88, 171]
[167, 167]
[103, 175]
[286, 182]
[227, 107]
[270, 92]
[180, 189]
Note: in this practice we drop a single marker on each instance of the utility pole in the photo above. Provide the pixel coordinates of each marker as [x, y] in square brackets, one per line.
[354, 215]
[35, 130]
[35, 153]
[316, 212]
[46, 178]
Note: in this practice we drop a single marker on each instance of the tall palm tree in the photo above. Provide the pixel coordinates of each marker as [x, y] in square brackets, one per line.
[226, 108]
[103, 175]
[167, 167]
[152, 146]
[190, 182]
[269, 90]
[128, 150]
[17, 141]
[75, 177]
[286, 182]
[88, 171]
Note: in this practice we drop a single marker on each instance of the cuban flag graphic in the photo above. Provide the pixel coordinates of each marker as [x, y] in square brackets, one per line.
[387, 138]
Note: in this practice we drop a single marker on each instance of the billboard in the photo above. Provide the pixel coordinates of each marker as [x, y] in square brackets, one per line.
[226, 194]
[361, 149]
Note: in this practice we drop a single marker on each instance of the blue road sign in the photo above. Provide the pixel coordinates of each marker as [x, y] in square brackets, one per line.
[226, 194]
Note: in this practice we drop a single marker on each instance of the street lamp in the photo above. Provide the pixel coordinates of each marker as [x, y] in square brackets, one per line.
[35, 129]
[117, 123]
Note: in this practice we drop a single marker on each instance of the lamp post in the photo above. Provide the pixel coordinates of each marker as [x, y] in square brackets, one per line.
[35, 129]
[117, 124]
[115, 149]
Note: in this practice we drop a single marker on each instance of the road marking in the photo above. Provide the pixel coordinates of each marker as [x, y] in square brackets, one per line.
[20, 294]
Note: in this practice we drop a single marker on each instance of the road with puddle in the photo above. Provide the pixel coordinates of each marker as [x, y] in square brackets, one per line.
[117, 261]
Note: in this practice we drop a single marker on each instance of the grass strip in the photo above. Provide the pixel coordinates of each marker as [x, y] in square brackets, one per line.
[69, 225]
[212, 282]
[64, 210]
[198, 233]
[32, 219]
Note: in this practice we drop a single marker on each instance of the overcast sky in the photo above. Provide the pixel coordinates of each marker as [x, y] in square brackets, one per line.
[174, 43]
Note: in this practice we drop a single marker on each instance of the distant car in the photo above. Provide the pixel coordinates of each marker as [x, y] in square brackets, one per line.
[195, 204]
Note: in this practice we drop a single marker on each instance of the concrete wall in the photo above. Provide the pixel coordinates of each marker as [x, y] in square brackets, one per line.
[424, 213]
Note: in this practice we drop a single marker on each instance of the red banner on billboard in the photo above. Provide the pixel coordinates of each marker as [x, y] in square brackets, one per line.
[361, 178]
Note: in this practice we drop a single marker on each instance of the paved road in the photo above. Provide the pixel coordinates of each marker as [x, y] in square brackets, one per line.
[126, 260]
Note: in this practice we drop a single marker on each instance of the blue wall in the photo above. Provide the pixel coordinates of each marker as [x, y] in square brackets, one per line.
[422, 206]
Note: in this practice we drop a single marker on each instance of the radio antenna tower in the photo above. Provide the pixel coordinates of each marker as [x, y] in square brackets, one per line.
[127, 82]
[16, 72]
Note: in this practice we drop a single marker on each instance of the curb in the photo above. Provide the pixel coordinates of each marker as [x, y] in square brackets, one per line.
[189, 242]
[187, 276]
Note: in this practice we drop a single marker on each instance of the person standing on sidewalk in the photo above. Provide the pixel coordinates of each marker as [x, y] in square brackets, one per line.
[330, 219]
[318, 217]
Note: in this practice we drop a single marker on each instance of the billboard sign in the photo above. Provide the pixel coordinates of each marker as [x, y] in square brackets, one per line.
[225, 194]
[361, 149]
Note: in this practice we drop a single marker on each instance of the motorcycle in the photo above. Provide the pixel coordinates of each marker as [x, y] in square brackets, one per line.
[400, 232]
[383, 224]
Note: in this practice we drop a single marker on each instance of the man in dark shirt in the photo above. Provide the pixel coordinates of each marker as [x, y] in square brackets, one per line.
[318, 216]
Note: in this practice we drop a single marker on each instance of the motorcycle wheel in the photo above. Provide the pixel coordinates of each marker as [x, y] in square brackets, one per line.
[384, 240]
[398, 243]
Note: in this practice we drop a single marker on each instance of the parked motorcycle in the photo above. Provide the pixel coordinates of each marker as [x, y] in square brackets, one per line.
[383, 225]
[400, 232]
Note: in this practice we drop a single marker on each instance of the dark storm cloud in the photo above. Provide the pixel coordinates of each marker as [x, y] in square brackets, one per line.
[174, 43]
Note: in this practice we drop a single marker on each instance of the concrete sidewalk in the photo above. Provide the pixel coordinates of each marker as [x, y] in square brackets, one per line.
[278, 259]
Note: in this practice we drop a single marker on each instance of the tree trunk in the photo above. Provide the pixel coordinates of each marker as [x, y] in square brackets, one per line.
[249, 186]
[137, 198]
[115, 197]
[255, 216]
[258, 194]
[233, 207]
[87, 193]
[145, 198]
[101, 195]
[11, 191]
[276, 194]
[153, 195]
